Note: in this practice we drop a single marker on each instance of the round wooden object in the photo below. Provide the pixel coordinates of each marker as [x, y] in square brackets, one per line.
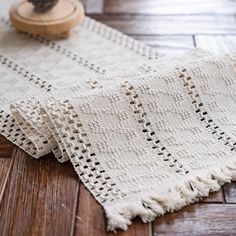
[58, 21]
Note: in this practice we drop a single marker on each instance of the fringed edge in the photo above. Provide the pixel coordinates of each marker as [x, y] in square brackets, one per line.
[156, 203]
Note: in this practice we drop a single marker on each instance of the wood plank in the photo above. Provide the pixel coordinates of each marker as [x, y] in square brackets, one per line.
[217, 43]
[93, 6]
[90, 219]
[170, 24]
[216, 197]
[162, 7]
[168, 43]
[198, 219]
[138, 228]
[6, 147]
[5, 170]
[230, 192]
[39, 198]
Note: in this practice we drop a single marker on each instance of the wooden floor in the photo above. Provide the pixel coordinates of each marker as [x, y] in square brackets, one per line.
[43, 197]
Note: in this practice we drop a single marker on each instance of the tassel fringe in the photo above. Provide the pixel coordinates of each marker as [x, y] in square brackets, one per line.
[150, 205]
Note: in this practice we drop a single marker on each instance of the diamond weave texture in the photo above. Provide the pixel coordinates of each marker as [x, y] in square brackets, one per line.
[146, 134]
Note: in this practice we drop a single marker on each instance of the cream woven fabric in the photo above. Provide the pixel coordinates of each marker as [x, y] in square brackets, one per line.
[146, 135]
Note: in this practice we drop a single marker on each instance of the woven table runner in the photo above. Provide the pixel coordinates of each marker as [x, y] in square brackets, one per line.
[146, 134]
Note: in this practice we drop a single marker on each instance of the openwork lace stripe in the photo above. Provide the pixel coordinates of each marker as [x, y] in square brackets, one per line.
[53, 45]
[201, 111]
[8, 125]
[106, 32]
[25, 73]
[119, 38]
[148, 131]
[79, 149]
[10, 130]
[73, 56]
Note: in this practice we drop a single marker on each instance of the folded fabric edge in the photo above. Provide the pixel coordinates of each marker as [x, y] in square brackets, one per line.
[40, 137]
[150, 205]
[31, 133]
[10, 130]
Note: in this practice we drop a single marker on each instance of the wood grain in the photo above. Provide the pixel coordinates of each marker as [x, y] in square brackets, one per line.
[217, 43]
[6, 147]
[168, 24]
[217, 197]
[93, 6]
[138, 228]
[198, 219]
[90, 213]
[168, 44]
[167, 7]
[230, 192]
[39, 198]
[5, 170]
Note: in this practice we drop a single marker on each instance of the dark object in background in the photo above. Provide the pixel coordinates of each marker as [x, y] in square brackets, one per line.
[43, 5]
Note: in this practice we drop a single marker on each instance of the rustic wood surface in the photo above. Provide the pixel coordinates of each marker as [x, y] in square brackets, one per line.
[43, 197]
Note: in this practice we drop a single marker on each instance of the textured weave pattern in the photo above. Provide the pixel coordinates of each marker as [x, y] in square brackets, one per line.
[144, 139]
